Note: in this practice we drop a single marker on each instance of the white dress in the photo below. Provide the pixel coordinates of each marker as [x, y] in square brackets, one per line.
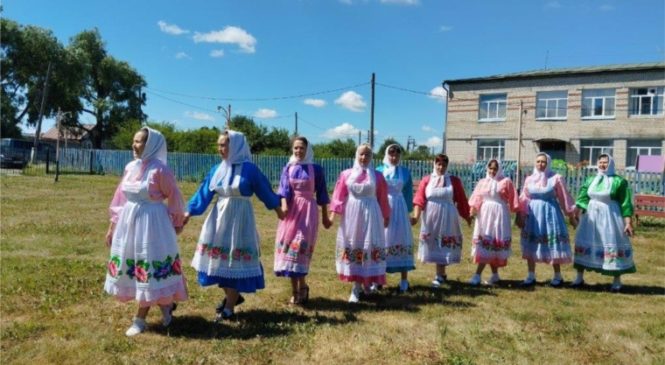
[145, 263]
[440, 231]
[360, 238]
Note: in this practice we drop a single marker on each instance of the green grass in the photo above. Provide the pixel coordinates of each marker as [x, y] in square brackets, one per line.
[53, 309]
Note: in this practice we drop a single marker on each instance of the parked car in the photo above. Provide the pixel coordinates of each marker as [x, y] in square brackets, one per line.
[14, 153]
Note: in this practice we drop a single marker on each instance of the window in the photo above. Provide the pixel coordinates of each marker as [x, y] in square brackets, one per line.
[646, 101]
[590, 149]
[598, 103]
[637, 147]
[552, 105]
[492, 108]
[490, 148]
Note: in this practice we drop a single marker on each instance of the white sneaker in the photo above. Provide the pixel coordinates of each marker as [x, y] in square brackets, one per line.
[475, 280]
[438, 281]
[494, 279]
[403, 286]
[138, 326]
[355, 294]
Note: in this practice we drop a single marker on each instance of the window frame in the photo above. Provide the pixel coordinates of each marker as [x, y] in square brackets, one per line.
[500, 146]
[642, 144]
[599, 149]
[632, 95]
[594, 99]
[558, 100]
[494, 100]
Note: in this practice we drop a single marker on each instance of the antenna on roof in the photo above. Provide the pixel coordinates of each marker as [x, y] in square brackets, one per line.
[547, 56]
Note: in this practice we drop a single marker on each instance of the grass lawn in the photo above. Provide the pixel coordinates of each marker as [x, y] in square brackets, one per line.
[53, 309]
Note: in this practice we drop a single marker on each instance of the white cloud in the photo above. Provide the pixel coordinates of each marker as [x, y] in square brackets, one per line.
[553, 4]
[182, 55]
[345, 130]
[445, 28]
[317, 103]
[606, 7]
[438, 93]
[401, 2]
[265, 113]
[428, 129]
[433, 142]
[200, 116]
[171, 28]
[231, 35]
[217, 53]
[352, 101]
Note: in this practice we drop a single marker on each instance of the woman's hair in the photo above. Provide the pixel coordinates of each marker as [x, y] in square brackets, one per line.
[301, 139]
[394, 149]
[146, 133]
[441, 158]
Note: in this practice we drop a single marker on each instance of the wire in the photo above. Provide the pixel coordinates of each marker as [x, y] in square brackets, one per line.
[265, 98]
[405, 89]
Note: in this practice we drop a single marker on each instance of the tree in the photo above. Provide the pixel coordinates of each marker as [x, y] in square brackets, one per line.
[258, 136]
[27, 52]
[111, 88]
[335, 148]
[420, 153]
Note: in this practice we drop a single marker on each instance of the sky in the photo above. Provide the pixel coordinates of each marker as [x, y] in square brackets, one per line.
[271, 59]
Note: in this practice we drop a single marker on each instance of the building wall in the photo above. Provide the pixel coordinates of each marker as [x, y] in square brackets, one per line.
[463, 128]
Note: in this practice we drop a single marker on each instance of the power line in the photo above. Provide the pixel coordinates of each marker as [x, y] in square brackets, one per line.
[405, 89]
[264, 98]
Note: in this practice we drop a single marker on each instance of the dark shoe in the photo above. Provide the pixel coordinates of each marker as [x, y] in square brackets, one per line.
[225, 315]
[615, 289]
[303, 296]
[556, 283]
[528, 283]
[220, 306]
[575, 285]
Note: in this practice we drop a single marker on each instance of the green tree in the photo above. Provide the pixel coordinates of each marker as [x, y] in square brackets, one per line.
[335, 148]
[258, 136]
[111, 88]
[27, 52]
[203, 140]
[420, 153]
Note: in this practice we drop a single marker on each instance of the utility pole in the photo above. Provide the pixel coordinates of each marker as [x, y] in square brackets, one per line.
[519, 146]
[58, 123]
[371, 118]
[360, 136]
[369, 140]
[35, 145]
[296, 123]
[228, 118]
[445, 125]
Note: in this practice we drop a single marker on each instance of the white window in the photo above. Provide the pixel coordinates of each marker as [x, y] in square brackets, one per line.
[598, 103]
[492, 108]
[590, 149]
[552, 105]
[490, 148]
[646, 101]
[637, 147]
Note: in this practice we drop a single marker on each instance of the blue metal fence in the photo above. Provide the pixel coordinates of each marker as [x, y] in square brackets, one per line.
[194, 166]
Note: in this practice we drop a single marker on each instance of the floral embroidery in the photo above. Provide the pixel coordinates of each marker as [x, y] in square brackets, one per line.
[139, 270]
[359, 255]
[223, 253]
[296, 248]
[400, 250]
[489, 243]
[609, 257]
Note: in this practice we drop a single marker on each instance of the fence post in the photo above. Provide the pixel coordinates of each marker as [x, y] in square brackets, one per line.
[48, 159]
[92, 153]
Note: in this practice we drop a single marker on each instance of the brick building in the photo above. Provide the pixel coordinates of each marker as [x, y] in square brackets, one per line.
[573, 114]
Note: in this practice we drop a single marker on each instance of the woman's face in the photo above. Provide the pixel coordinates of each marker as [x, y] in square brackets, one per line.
[223, 146]
[603, 163]
[299, 149]
[138, 144]
[365, 156]
[394, 156]
[492, 169]
[441, 167]
[541, 163]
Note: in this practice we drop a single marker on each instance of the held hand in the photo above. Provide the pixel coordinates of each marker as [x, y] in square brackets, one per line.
[280, 213]
[185, 220]
[573, 221]
[109, 237]
[327, 223]
[473, 212]
[519, 221]
[413, 220]
[629, 229]
[386, 222]
[469, 221]
[178, 230]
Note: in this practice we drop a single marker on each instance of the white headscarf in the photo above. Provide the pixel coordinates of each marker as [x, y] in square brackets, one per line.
[436, 179]
[494, 180]
[308, 159]
[540, 177]
[238, 153]
[155, 149]
[600, 175]
[358, 169]
[388, 168]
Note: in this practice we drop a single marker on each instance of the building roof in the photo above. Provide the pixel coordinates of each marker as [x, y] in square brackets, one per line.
[545, 73]
[70, 133]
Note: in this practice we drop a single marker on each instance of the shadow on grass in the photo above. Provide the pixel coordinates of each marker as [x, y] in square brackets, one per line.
[247, 324]
[625, 289]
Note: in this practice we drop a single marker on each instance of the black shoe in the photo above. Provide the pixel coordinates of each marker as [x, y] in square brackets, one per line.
[615, 289]
[223, 316]
[556, 283]
[577, 285]
[528, 283]
[220, 306]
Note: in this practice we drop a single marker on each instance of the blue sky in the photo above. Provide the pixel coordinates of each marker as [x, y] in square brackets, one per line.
[272, 58]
